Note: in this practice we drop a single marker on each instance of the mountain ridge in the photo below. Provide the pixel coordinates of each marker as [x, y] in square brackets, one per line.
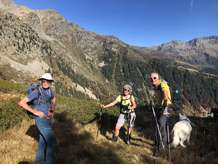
[96, 65]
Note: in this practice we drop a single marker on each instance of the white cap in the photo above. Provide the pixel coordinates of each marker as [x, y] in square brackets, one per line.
[46, 76]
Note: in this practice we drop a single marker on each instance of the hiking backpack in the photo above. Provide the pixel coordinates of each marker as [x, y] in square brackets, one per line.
[30, 89]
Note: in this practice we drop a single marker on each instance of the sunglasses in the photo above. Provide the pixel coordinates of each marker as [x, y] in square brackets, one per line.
[126, 90]
[153, 78]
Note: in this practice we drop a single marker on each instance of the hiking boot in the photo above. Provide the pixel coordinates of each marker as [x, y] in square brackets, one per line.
[161, 149]
[114, 138]
[128, 140]
[158, 150]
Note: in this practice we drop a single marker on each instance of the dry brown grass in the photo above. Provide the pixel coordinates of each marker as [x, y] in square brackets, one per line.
[85, 147]
[8, 96]
[16, 145]
[76, 144]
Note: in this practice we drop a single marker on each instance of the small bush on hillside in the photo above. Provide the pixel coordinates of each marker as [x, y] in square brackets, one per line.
[10, 114]
[81, 110]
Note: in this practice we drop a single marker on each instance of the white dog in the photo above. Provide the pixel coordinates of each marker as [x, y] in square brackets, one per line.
[181, 131]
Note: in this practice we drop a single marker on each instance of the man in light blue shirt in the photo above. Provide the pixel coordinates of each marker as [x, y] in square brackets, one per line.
[42, 107]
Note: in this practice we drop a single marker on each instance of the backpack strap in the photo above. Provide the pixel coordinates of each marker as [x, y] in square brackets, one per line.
[40, 98]
[40, 93]
[122, 106]
[121, 100]
[131, 99]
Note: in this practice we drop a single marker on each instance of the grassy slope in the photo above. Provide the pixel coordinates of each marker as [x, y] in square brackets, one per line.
[78, 142]
[18, 136]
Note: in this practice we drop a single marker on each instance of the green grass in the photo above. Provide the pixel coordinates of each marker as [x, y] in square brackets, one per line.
[10, 114]
[78, 109]
[7, 86]
[81, 110]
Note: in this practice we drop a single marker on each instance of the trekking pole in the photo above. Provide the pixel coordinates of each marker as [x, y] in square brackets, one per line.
[168, 139]
[99, 122]
[155, 117]
[157, 125]
[128, 127]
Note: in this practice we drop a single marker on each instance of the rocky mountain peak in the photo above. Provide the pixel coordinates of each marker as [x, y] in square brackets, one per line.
[209, 40]
[6, 3]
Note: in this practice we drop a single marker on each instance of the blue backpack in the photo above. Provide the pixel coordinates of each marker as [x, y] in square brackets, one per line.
[33, 87]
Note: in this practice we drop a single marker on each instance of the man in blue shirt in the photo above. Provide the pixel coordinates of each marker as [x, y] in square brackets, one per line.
[43, 103]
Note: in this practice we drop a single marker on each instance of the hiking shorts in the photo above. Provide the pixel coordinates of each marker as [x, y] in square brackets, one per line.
[123, 118]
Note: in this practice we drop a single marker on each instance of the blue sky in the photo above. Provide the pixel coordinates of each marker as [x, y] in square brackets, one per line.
[138, 22]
